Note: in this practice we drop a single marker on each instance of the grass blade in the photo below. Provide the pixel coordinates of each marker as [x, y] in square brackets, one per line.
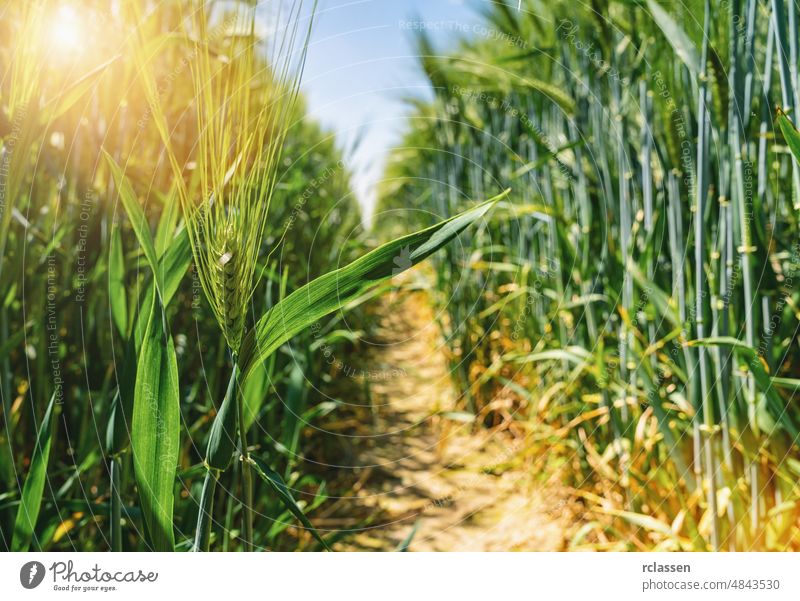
[155, 430]
[406, 542]
[676, 36]
[117, 294]
[333, 290]
[173, 265]
[756, 365]
[272, 478]
[790, 134]
[136, 216]
[33, 489]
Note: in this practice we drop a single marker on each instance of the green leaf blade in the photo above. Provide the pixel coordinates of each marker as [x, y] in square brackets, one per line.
[334, 290]
[33, 489]
[117, 293]
[775, 405]
[272, 478]
[173, 265]
[684, 48]
[790, 134]
[137, 217]
[155, 431]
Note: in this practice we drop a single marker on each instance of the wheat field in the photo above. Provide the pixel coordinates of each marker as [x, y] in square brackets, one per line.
[571, 325]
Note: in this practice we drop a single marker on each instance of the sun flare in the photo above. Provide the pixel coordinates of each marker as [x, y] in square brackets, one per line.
[66, 31]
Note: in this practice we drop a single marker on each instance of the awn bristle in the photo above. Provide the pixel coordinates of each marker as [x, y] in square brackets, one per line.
[242, 130]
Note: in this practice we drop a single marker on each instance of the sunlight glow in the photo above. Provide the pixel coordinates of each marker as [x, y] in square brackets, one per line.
[66, 30]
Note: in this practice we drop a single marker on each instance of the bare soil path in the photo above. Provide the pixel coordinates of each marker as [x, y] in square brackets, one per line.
[461, 486]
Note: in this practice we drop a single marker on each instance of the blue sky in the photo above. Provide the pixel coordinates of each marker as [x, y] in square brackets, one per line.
[360, 66]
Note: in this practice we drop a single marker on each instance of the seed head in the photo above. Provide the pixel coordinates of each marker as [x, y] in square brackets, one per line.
[242, 128]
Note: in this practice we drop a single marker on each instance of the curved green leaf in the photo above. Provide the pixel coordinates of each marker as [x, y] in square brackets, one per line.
[136, 216]
[573, 354]
[334, 290]
[647, 522]
[790, 134]
[792, 384]
[676, 37]
[756, 365]
[272, 478]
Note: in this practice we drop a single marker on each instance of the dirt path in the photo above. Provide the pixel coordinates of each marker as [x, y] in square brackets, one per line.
[445, 476]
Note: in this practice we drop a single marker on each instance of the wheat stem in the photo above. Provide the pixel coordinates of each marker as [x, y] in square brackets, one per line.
[116, 506]
[247, 479]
